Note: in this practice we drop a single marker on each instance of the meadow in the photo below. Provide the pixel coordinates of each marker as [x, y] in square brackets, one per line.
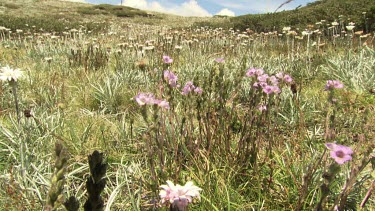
[111, 118]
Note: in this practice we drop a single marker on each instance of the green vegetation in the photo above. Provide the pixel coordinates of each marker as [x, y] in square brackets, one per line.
[107, 9]
[258, 121]
[329, 10]
[54, 23]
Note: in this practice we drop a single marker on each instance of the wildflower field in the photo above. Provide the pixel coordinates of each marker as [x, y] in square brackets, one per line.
[146, 116]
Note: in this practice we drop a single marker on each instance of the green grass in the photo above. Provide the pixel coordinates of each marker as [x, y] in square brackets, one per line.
[80, 88]
[107, 9]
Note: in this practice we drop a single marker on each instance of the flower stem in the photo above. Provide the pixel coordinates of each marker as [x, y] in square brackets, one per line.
[13, 83]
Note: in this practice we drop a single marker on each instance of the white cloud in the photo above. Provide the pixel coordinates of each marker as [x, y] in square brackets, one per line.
[140, 4]
[192, 7]
[226, 12]
[251, 6]
[81, 1]
[188, 8]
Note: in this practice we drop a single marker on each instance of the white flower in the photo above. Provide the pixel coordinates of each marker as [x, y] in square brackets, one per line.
[350, 27]
[286, 28]
[178, 195]
[306, 33]
[8, 74]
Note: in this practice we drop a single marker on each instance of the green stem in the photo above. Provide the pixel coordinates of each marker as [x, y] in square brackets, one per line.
[13, 83]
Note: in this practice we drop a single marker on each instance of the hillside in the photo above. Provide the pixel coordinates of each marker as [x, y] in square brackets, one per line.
[343, 11]
[57, 16]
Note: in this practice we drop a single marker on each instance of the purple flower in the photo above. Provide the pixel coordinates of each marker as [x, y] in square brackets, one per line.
[219, 60]
[280, 75]
[263, 77]
[254, 71]
[171, 78]
[262, 107]
[274, 80]
[167, 60]
[268, 89]
[189, 86]
[262, 84]
[149, 99]
[271, 89]
[198, 90]
[276, 89]
[333, 84]
[259, 72]
[250, 72]
[340, 153]
[163, 104]
[145, 98]
[288, 79]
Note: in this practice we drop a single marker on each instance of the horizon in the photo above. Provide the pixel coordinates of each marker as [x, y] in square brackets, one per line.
[207, 8]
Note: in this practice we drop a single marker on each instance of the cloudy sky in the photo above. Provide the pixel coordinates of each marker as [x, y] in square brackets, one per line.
[205, 7]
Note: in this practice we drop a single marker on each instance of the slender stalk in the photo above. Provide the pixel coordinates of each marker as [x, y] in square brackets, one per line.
[13, 84]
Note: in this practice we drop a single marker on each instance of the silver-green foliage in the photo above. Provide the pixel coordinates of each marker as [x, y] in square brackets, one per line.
[355, 70]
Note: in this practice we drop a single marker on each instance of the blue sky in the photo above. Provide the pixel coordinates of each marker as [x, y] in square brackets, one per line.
[205, 7]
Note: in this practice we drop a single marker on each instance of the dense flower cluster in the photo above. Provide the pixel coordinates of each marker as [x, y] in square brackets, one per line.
[149, 99]
[269, 84]
[177, 195]
[9, 74]
[340, 153]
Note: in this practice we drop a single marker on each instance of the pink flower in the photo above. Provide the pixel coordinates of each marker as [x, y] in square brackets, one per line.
[271, 89]
[144, 98]
[263, 78]
[171, 78]
[268, 89]
[219, 60]
[189, 87]
[198, 90]
[276, 89]
[259, 72]
[274, 80]
[280, 75]
[250, 72]
[167, 60]
[163, 104]
[333, 84]
[262, 107]
[149, 99]
[288, 79]
[340, 153]
[177, 195]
